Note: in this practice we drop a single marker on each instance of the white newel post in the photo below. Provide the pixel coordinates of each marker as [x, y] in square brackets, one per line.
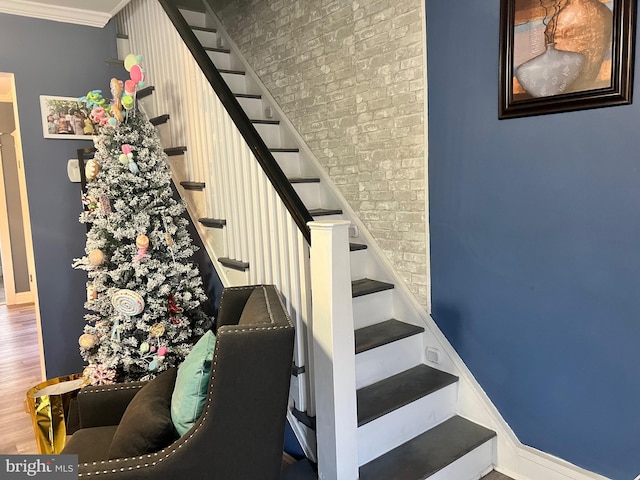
[333, 351]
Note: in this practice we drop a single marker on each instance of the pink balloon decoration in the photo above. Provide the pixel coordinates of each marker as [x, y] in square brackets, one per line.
[129, 87]
[126, 149]
[136, 74]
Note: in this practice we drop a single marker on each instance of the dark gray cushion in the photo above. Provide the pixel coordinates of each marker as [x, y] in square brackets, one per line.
[255, 310]
[90, 444]
[146, 425]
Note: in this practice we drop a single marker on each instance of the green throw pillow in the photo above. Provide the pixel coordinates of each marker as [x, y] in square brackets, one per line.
[190, 391]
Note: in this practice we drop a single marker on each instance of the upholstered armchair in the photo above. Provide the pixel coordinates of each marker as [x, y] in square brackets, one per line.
[240, 433]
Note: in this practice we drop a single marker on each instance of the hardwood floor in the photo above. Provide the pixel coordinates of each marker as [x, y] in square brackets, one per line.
[19, 371]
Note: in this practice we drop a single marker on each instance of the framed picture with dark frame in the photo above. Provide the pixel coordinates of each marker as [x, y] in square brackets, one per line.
[564, 55]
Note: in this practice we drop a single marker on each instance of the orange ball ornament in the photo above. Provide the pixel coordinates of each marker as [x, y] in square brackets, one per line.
[142, 241]
[87, 340]
[96, 257]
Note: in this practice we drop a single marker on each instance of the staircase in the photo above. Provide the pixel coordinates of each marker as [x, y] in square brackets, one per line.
[408, 395]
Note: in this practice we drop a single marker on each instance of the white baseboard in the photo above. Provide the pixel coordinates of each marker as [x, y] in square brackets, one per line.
[532, 464]
[23, 297]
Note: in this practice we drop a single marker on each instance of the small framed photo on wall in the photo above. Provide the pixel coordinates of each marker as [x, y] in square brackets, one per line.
[65, 117]
[563, 55]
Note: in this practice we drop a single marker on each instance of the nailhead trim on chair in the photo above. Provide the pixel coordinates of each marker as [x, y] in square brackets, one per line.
[109, 389]
[209, 398]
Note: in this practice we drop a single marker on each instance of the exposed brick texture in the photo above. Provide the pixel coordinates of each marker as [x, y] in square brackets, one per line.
[350, 75]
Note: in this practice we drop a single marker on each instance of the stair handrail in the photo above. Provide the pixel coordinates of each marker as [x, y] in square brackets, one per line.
[272, 170]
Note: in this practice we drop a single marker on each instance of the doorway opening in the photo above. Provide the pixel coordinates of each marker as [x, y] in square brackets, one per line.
[15, 234]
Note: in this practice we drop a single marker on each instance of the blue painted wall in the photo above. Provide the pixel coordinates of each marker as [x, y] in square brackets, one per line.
[535, 248]
[52, 58]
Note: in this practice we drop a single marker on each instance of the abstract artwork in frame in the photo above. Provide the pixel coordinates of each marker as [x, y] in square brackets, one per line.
[563, 55]
[66, 118]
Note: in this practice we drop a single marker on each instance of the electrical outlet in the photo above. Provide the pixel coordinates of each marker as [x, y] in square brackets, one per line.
[433, 355]
[353, 231]
[268, 112]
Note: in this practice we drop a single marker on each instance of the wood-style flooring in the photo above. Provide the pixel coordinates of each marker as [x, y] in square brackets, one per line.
[19, 371]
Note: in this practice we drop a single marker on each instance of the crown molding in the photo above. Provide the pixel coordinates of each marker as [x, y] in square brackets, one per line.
[59, 13]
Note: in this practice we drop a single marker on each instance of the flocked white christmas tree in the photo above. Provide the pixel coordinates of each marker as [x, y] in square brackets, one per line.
[144, 294]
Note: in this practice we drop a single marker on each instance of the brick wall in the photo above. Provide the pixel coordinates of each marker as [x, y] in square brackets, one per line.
[350, 75]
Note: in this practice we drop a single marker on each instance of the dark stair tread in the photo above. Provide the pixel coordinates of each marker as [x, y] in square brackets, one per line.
[213, 222]
[383, 333]
[304, 418]
[232, 72]
[354, 247]
[365, 286]
[172, 151]
[217, 49]
[203, 29]
[399, 390]
[265, 122]
[284, 150]
[235, 264]
[304, 180]
[159, 120]
[445, 443]
[145, 92]
[193, 185]
[248, 95]
[122, 36]
[319, 212]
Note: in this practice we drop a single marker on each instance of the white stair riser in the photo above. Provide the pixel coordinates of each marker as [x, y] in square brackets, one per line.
[123, 48]
[236, 83]
[195, 198]
[372, 309]
[194, 19]
[472, 466]
[206, 39]
[177, 164]
[252, 107]
[309, 193]
[329, 217]
[146, 106]
[395, 428]
[270, 134]
[289, 163]
[236, 277]
[220, 59]
[387, 360]
[216, 237]
[359, 263]
[164, 132]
